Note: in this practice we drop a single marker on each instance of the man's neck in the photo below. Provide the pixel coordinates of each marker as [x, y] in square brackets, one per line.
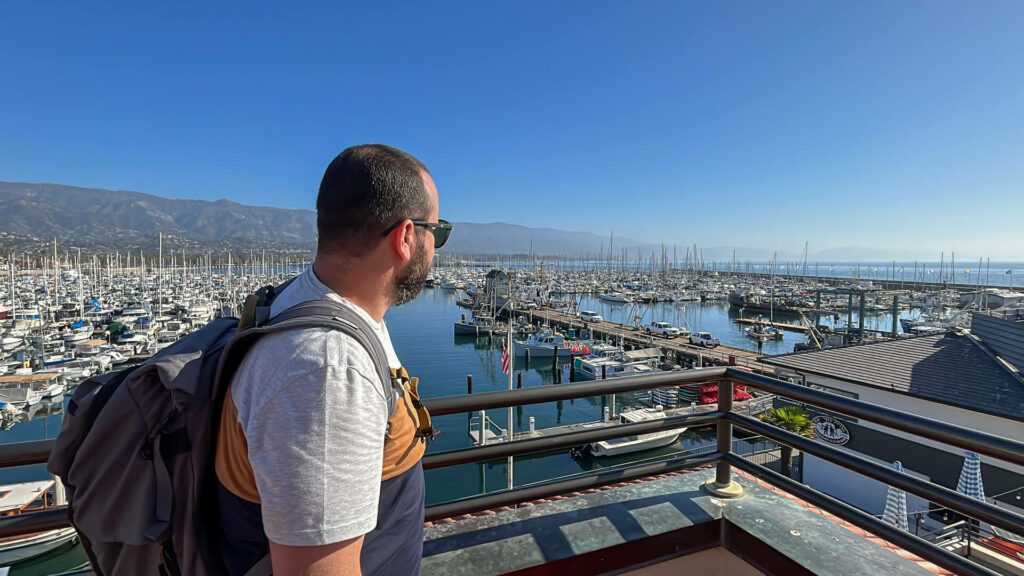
[364, 288]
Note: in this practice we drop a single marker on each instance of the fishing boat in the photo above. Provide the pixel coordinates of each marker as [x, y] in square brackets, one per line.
[763, 332]
[25, 497]
[478, 326]
[601, 364]
[636, 443]
[546, 343]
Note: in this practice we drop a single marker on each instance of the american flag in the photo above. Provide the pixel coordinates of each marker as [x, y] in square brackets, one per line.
[504, 360]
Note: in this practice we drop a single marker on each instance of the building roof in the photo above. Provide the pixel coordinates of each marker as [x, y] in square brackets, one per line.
[951, 368]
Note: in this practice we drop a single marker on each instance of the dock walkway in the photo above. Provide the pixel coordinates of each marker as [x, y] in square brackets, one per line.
[494, 434]
[790, 327]
[679, 347]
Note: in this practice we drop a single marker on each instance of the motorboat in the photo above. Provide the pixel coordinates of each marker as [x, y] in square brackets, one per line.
[478, 326]
[764, 332]
[616, 297]
[27, 497]
[78, 332]
[547, 343]
[24, 389]
[615, 363]
[636, 443]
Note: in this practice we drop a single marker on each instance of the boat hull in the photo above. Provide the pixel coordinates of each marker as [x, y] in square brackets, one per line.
[34, 545]
[620, 446]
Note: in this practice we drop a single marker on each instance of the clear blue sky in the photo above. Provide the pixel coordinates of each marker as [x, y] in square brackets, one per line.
[896, 126]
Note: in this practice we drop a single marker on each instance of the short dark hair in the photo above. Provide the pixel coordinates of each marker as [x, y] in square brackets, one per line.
[366, 189]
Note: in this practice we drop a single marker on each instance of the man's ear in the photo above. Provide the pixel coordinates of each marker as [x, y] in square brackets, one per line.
[402, 241]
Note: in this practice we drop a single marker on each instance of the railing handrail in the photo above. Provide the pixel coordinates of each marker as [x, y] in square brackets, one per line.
[523, 396]
[952, 499]
[724, 457]
[564, 440]
[981, 442]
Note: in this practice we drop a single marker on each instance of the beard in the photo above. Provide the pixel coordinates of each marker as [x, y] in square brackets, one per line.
[410, 283]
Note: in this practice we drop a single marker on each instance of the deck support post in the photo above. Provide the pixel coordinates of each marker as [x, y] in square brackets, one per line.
[723, 486]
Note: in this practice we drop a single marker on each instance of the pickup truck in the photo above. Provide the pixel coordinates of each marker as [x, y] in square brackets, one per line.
[662, 329]
[704, 339]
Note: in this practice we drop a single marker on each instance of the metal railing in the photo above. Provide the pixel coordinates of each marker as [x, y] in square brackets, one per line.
[723, 457]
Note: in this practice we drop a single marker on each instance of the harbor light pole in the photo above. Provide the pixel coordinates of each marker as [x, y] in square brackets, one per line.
[511, 369]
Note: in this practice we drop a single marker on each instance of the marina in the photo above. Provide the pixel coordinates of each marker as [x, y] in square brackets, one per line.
[134, 312]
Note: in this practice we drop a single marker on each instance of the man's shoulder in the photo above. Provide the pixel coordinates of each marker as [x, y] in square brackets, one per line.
[303, 350]
[279, 360]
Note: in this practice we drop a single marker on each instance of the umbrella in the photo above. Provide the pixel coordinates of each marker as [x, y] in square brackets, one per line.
[970, 483]
[896, 504]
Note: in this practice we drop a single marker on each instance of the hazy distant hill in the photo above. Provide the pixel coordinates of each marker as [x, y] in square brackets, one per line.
[125, 220]
[33, 214]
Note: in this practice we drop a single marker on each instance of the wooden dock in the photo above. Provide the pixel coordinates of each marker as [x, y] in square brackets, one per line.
[494, 434]
[790, 327]
[677, 348]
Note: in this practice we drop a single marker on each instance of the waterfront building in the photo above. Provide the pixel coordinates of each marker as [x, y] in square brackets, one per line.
[968, 379]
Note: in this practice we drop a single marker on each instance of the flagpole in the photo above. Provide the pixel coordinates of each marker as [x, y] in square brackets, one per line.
[511, 369]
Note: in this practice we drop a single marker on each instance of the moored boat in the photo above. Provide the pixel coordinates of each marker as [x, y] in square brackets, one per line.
[636, 443]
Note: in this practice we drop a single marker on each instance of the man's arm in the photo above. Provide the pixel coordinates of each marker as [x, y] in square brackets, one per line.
[340, 558]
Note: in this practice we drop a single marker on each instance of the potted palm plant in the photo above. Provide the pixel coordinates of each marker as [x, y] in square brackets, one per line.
[791, 419]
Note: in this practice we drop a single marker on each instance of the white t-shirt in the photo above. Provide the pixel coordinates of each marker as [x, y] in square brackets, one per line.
[314, 414]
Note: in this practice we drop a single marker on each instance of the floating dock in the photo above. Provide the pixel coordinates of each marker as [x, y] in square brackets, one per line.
[680, 348]
[494, 434]
[790, 327]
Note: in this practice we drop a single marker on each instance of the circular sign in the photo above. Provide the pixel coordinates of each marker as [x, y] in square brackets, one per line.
[831, 430]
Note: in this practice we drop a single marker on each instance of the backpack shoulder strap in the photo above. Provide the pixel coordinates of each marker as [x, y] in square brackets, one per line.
[256, 308]
[315, 314]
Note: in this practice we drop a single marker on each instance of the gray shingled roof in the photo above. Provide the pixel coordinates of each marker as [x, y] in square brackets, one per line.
[947, 368]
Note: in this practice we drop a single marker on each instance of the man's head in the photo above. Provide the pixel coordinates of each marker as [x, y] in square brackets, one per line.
[371, 198]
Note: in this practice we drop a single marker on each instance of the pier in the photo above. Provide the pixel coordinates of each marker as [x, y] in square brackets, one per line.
[493, 433]
[790, 327]
[678, 348]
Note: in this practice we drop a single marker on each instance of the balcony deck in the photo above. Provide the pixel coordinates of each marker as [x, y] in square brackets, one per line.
[617, 528]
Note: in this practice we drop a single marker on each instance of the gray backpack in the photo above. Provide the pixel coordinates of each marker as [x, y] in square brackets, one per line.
[136, 448]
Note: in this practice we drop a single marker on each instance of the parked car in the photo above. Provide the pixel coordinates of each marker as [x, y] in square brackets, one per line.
[704, 339]
[662, 329]
[590, 316]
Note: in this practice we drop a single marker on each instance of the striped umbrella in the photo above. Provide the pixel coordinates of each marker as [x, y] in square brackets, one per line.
[970, 483]
[896, 504]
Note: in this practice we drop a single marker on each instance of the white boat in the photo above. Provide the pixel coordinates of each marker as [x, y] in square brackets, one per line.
[25, 497]
[78, 334]
[34, 545]
[90, 347]
[9, 344]
[616, 363]
[764, 332]
[24, 389]
[636, 443]
[478, 326]
[616, 297]
[547, 343]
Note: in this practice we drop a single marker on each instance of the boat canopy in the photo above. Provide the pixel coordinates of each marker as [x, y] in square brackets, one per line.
[645, 354]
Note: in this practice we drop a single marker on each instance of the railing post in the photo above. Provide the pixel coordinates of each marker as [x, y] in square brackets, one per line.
[483, 427]
[723, 486]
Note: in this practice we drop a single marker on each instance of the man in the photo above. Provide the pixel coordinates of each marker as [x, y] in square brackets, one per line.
[310, 465]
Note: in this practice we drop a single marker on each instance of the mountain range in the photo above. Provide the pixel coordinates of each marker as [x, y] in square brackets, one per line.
[33, 214]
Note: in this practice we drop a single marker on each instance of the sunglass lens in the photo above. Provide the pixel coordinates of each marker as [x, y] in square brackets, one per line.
[441, 233]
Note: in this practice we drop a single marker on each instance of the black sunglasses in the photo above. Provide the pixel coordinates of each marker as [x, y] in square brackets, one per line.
[441, 229]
